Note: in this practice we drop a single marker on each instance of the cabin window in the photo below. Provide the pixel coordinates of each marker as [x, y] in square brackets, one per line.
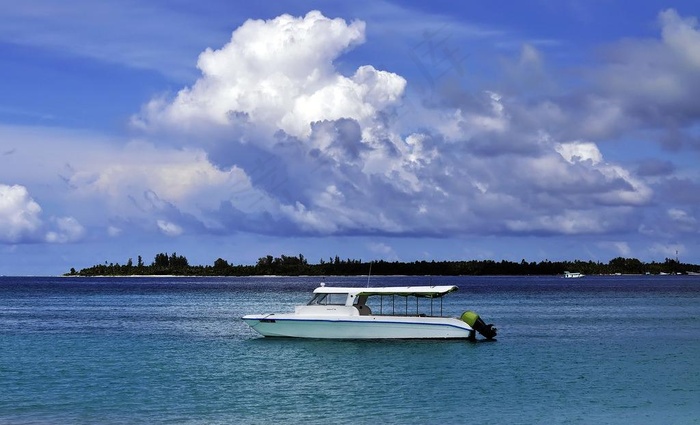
[402, 305]
[328, 299]
[380, 305]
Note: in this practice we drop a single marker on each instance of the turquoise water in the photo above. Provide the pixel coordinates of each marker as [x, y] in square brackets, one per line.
[618, 350]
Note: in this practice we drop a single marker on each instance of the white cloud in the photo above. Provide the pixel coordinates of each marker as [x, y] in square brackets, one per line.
[343, 162]
[180, 177]
[580, 151]
[566, 222]
[67, 230]
[682, 35]
[116, 184]
[141, 180]
[279, 74]
[19, 214]
[650, 84]
[625, 189]
[682, 220]
[21, 222]
[496, 121]
[168, 228]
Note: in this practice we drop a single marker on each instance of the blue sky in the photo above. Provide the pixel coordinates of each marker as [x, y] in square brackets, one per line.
[370, 130]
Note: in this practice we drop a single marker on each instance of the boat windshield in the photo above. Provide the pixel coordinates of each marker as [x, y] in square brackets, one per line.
[328, 299]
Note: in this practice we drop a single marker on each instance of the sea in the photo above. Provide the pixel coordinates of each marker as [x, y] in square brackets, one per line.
[173, 350]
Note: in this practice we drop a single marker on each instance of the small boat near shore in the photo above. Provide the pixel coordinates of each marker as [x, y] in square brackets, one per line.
[572, 275]
[372, 313]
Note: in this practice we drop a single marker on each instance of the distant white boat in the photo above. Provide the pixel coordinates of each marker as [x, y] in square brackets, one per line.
[372, 313]
[572, 275]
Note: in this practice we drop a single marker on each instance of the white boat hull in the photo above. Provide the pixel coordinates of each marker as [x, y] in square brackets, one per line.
[359, 327]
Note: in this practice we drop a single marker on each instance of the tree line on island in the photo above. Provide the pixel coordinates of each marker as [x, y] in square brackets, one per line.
[178, 265]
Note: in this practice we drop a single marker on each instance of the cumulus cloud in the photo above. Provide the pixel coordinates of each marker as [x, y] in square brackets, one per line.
[67, 230]
[635, 84]
[19, 214]
[622, 187]
[652, 83]
[181, 177]
[279, 75]
[120, 186]
[21, 221]
[327, 153]
[182, 186]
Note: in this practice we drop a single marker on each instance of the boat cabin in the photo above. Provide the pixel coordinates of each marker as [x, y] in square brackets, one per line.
[387, 301]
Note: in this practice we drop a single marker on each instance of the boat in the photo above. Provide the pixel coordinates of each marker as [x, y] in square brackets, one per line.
[573, 275]
[373, 313]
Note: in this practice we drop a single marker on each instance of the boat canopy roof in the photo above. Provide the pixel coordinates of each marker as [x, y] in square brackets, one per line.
[406, 291]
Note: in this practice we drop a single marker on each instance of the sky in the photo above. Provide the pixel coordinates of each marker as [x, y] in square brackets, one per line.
[371, 130]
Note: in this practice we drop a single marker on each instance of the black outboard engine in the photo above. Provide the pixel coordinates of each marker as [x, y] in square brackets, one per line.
[472, 319]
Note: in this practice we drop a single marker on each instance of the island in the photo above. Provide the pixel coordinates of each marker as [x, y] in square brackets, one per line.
[284, 265]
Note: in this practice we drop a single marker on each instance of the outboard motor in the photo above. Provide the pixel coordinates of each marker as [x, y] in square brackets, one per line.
[472, 319]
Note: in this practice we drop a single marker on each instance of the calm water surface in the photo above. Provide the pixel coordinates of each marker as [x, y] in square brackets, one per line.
[618, 350]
